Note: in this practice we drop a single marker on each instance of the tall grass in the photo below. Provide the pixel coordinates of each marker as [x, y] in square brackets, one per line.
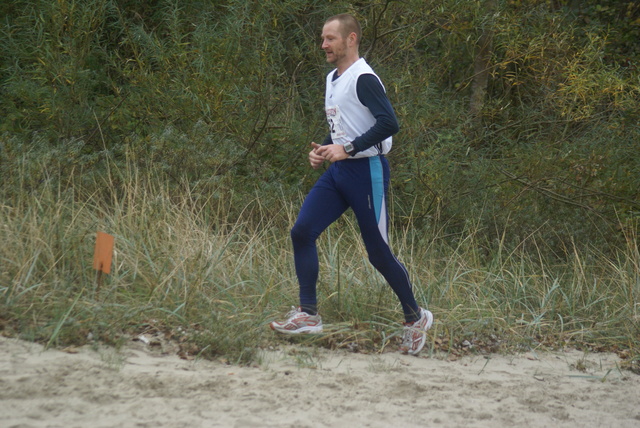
[186, 261]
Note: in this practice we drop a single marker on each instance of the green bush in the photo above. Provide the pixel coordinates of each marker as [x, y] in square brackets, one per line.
[120, 111]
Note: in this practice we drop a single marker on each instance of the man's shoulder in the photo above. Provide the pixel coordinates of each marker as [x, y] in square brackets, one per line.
[362, 67]
[369, 81]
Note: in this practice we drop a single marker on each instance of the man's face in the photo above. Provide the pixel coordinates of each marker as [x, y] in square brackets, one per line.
[333, 44]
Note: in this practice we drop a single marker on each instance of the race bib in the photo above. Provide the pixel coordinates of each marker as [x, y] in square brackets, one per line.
[335, 122]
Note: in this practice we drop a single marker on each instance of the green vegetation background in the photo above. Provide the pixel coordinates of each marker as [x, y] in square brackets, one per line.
[519, 137]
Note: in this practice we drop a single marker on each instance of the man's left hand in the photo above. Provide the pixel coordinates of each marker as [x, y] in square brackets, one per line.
[332, 152]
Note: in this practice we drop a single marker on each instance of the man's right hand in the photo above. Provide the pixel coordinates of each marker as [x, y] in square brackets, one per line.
[314, 158]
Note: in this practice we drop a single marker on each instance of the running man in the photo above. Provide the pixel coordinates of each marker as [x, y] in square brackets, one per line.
[361, 123]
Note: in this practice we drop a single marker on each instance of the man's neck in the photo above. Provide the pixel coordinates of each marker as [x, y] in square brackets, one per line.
[348, 62]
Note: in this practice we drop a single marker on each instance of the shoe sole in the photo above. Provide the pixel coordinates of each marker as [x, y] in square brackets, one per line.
[303, 330]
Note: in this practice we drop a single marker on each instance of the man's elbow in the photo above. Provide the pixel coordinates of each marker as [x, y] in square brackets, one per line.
[392, 127]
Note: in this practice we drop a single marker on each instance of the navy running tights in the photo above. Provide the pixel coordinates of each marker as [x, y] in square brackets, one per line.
[360, 184]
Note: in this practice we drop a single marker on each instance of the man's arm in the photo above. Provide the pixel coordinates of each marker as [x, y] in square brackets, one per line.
[371, 94]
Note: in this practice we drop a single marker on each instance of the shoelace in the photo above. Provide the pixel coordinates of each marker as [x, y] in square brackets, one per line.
[292, 313]
[407, 336]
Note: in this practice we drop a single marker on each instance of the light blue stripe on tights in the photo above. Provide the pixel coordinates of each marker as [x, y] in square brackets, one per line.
[377, 189]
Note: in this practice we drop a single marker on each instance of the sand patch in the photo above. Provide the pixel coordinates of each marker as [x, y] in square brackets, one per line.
[307, 387]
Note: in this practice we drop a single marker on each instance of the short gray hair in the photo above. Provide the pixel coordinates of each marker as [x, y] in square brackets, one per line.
[348, 24]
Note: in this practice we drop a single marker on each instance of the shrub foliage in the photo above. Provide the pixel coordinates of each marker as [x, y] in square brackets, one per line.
[519, 119]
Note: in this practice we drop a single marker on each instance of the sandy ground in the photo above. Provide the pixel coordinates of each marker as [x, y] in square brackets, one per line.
[141, 386]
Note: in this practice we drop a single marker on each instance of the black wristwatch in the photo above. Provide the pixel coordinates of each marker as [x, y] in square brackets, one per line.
[348, 147]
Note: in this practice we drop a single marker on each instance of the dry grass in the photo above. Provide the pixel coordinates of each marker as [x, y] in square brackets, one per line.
[192, 269]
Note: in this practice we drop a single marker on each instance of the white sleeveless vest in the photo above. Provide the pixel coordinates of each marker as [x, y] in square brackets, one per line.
[348, 118]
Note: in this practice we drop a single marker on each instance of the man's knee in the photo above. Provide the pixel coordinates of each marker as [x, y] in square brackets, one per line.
[300, 233]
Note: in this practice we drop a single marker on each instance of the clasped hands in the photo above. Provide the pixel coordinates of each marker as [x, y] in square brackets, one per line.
[330, 152]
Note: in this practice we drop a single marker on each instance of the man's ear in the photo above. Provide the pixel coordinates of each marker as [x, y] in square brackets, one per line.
[353, 37]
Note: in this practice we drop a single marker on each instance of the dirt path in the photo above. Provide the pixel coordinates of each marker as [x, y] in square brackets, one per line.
[302, 387]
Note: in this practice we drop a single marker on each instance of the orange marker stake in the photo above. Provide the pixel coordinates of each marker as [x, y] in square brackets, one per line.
[103, 252]
[102, 255]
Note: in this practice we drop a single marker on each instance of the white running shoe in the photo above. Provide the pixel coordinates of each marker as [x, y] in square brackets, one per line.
[298, 322]
[415, 334]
